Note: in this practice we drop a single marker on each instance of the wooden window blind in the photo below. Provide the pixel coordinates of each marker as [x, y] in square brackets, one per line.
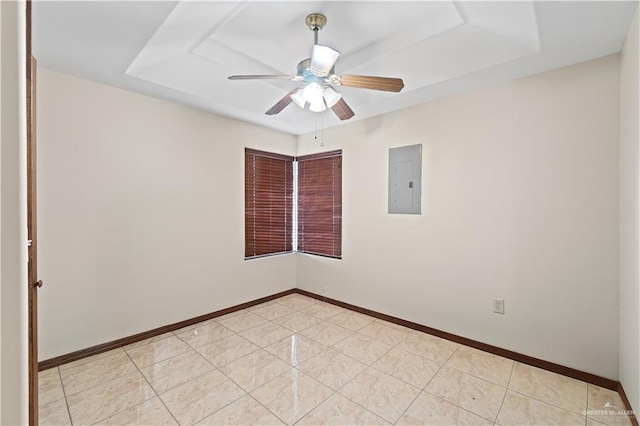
[320, 204]
[268, 203]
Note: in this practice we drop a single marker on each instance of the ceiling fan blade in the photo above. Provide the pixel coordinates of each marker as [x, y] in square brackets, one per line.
[322, 59]
[342, 110]
[263, 77]
[386, 84]
[282, 103]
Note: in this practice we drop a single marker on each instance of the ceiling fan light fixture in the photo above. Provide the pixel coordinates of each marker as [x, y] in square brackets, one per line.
[313, 93]
[317, 107]
[298, 98]
[331, 97]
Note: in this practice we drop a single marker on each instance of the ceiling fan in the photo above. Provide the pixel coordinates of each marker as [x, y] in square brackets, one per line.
[317, 75]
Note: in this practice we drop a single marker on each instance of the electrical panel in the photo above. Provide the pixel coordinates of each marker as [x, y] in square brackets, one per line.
[405, 179]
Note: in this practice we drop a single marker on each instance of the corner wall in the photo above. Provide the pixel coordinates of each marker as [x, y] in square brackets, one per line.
[629, 218]
[141, 213]
[520, 202]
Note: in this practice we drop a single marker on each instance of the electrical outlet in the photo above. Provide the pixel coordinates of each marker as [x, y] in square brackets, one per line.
[498, 306]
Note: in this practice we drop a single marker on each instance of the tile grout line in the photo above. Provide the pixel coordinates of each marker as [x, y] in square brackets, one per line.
[318, 404]
[586, 413]
[547, 402]
[332, 347]
[456, 404]
[265, 407]
[427, 384]
[329, 348]
[152, 388]
[246, 392]
[62, 398]
[337, 392]
[223, 407]
[194, 349]
[103, 383]
[458, 345]
[544, 402]
[478, 377]
[195, 378]
[277, 376]
[396, 347]
[408, 406]
[94, 386]
[64, 393]
[513, 366]
[162, 360]
[371, 366]
[351, 333]
[377, 369]
[440, 369]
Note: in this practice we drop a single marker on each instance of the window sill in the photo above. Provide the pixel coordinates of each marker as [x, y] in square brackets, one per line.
[262, 256]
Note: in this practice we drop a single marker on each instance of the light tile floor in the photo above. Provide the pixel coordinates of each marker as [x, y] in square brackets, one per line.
[297, 360]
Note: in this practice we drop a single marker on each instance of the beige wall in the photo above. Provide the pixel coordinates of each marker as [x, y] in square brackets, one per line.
[141, 213]
[520, 201]
[629, 217]
[13, 259]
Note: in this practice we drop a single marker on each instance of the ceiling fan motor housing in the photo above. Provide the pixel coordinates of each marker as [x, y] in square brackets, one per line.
[303, 70]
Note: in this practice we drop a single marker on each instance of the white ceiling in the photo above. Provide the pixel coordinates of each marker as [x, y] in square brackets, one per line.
[183, 51]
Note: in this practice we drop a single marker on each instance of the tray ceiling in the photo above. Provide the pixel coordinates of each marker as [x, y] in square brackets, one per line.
[184, 51]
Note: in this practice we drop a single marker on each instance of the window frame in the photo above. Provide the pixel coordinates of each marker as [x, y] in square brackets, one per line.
[319, 175]
[311, 219]
[268, 203]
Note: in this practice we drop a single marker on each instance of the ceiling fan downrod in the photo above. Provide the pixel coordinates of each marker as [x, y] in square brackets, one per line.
[315, 22]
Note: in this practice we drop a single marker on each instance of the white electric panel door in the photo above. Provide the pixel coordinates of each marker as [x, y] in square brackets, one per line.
[405, 179]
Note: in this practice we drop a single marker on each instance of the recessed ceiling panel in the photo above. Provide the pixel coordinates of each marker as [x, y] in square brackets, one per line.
[200, 44]
[467, 49]
[186, 26]
[275, 34]
[511, 20]
[184, 51]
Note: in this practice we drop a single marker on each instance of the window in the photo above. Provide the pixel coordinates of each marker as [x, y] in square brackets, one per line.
[269, 198]
[268, 208]
[320, 204]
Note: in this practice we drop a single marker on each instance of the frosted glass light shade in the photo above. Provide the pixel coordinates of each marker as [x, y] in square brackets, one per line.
[319, 98]
[298, 98]
[331, 97]
[317, 107]
[313, 93]
[322, 59]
